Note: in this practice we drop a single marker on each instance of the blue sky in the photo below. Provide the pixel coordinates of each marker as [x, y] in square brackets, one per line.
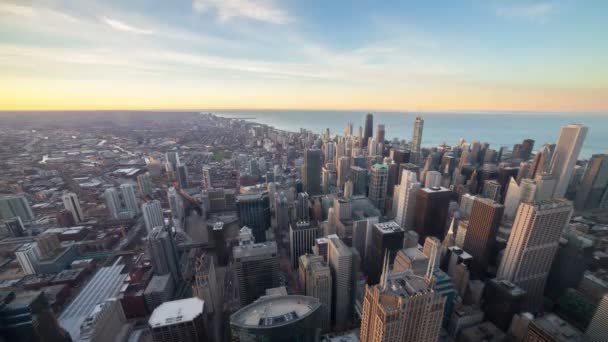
[393, 55]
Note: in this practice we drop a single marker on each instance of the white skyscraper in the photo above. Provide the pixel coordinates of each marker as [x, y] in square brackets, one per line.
[153, 215]
[176, 204]
[113, 202]
[27, 255]
[433, 179]
[15, 206]
[406, 203]
[417, 135]
[567, 149]
[129, 198]
[70, 202]
[532, 246]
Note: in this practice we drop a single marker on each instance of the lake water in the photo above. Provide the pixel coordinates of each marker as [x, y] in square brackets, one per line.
[498, 129]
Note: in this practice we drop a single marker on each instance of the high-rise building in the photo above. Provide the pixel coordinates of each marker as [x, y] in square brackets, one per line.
[315, 277]
[113, 202]
[432, 179]
[378, 185]
[369, 128]
[503, 300]
[403, 307]
[481, 232]
[278, 318]
[254, 212]
[387, 237]
[380, 134]
[153, 215]
[257, 268]
[567, 149]
[532, 246]
[594, 183]
[349, 129]
[343, 170]
[176, 203]
[179, 321]
[416, 141]
[182, 176]
[311, 171]
[492, 190]
[70, 202]
[15, 206]
[303, 207]
[598, 328]
[15, 227]
[129, 198]
[301, 239]
[406, 202]
[340, 259]
[432, 212]
[282, 212]
[145, 184]
[163, 253]
[172, 158]
[358, 176]
[27, 256]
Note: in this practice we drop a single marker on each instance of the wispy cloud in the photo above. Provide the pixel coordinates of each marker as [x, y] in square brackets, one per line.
[120, 26]
[259, 10]
[539, 13]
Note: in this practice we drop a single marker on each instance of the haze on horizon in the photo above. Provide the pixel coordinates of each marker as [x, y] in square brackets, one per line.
[252, 54]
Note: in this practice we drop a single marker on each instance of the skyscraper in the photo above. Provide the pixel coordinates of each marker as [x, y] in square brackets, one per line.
[70, 202]
[315, 275]
[569, 144]
[343, 170]
[403, 307]
[153, 215]
[387, 237]
[15, 206]
[129, 198]
[301, 239]
[481, 232]
[176, 204]
[369, 128]
[432, 212]
[416, 140]
[380, 134]
[163, 253]
[113, 202]
[594, 183]
[358, 176]
[145, 184]
[311, 171]
[254, 212]
[282, 212]
[182, 176]
[340, 260]
[378, 185]
[406, 203]
[303, 207]
[532, 246]
[179, 321]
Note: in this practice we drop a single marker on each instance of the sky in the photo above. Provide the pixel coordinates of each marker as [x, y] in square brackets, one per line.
[307, 54]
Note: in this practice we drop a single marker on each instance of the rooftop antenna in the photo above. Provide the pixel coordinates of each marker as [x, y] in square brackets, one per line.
[430, 279]
[385, 270]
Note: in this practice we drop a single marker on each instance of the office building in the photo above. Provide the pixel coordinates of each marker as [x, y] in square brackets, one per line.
[303, 207]
[129, 198]
[311, 171]
[551, 328]
[417, 137]
[369, 128]
[70, 202]
[358, 176]
[182, 176]
[254, 212]
[403, 307]
[107, 322]
[301, 239]
[432, 212]
[387, 237]
[340, 259]
[378, 185]
[503, 300]
[597, 331]
[176, 204]
[380, 135]
[406, 200]
[257, 269]
[316, 280]
[481, 232]
[113, 202]
[163, 253]
[153, 215]
[432, 179]
[27, 256]
[278, 318]
[145, 184]
[179, 321]
[282, 212]
[532, 246]
[492, 190]
[15, 227]
[15, 206]
[159, 290]
[567, 149]
[594, 184]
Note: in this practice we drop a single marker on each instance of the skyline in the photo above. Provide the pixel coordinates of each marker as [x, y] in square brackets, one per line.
[144, 55]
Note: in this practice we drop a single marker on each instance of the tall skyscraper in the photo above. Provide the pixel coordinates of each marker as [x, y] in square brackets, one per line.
[406, 203]
[432, 212]
[129, 198]
[340, 259]
[311, 171]
[369, 128]
[282, 212]
[172, 159]
[378, 185]
[303, 207]
[358, 176]
[598, 328]
[380, 134]
[163, 253]
[481, 232]
[70, 202]
[254, 212]
[403, 307]
[113, 202]
[315, 275]
[432, 179]
[176, 203]
[301, 239]
[416, 140]
[532, 246]
[179, 321]
[15, 206]
[153, 215]
[145, 184]
[182, 176]
[567, 149]
[349, 129]
[387, 237]
[594, 183]
[343, 170]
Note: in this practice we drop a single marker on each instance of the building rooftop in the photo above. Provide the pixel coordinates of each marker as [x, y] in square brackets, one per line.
[434, 189]
[388, 227]
[254, 249]
[272, 311]
[158, 283]
[175, 312]
[557, 328]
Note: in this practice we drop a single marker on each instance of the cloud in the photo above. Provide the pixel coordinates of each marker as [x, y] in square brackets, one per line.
[259, 10]
[538, 13]
[120, 26]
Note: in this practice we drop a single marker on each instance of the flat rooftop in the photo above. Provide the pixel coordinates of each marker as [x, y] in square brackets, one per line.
[254, 249]
[272, 311]
[176, 312]
[388, 227]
